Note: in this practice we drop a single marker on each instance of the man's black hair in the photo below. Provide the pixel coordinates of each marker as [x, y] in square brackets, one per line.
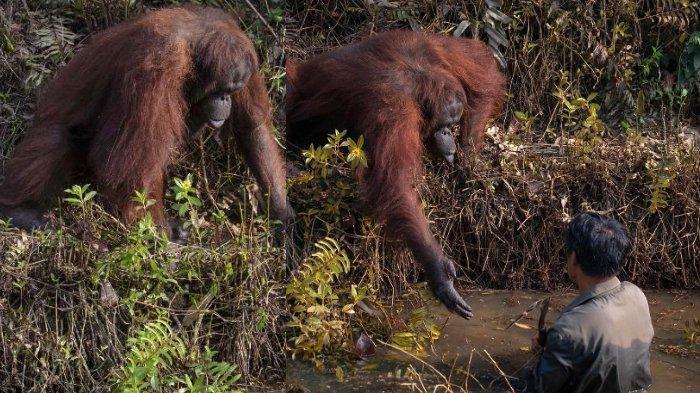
[601, 244]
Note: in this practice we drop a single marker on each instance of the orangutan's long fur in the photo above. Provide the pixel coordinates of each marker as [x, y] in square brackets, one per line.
[116, 113]
[386, 88]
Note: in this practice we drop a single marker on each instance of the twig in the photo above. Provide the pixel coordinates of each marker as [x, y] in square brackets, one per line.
[522, 315]
[262, 19]
[469, 367]
[420, 380]
[505, 377]
[414, 357]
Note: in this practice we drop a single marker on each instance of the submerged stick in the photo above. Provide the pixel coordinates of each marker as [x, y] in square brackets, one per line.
[524, 313]
[423, 362]
[505, 377]
[469, 367]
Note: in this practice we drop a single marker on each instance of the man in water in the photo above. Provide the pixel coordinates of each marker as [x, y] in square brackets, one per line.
[600, 343]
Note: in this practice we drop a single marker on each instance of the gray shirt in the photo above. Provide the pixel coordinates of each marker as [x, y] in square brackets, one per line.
[600, 343]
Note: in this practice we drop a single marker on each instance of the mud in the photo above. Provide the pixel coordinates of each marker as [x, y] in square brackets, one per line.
[464, 348]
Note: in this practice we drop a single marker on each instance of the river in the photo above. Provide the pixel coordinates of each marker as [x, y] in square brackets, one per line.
[479, 347]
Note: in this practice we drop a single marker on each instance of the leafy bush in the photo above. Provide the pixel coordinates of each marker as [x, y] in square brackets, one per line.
[155, 360]
[332, 302]
[220, 296]
[319, 299]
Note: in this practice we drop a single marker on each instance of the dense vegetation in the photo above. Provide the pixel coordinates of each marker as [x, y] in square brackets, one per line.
[95, 305]
[602, 114]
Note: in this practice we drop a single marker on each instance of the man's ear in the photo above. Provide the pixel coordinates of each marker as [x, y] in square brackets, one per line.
[574, 259]
[571, 264]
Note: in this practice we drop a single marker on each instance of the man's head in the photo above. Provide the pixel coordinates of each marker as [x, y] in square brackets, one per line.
[596, 247]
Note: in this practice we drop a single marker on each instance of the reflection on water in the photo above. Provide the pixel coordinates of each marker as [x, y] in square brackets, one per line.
[465, 347]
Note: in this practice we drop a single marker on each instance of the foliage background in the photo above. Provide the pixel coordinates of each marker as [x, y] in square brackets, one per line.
[95, 306]
[597, 118]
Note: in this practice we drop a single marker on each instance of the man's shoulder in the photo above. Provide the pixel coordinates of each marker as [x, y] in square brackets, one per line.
[626, 294]
[604, 314]
[570, 325]
[636, 295]
[590, 311]
[630, 288]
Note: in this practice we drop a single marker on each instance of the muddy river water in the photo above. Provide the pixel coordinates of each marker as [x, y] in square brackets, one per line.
[469, 353]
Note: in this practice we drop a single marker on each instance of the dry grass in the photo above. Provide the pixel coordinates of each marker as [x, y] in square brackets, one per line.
[502, 216]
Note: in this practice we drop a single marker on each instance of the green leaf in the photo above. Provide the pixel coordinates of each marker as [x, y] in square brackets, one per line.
[641, 103]
[495, 13]
[496, 36]
[520, 115]
[461, 28]
[578, 102]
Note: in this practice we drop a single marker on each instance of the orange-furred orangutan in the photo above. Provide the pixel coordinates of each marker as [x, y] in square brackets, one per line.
[116, 114]
[402, 91]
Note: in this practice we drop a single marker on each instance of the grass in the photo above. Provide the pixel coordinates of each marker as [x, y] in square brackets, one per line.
[593, 121]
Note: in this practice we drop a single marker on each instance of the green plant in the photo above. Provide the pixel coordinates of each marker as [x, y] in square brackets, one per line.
[659, 83]
[144, 201]
[52, 45]
[581, 116]
[320, 302]
[420, 330]
[652, 62]
[356, 156]
[151, 351]
[689, 64]
[80, 197]
[142, 259]
[157, 358]
[691, 329]
[525, 119]
[326, 158]
[662, 172]
[323, 307]
[187, 201]
[208, 375]
[276, 15]
[326, 189]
